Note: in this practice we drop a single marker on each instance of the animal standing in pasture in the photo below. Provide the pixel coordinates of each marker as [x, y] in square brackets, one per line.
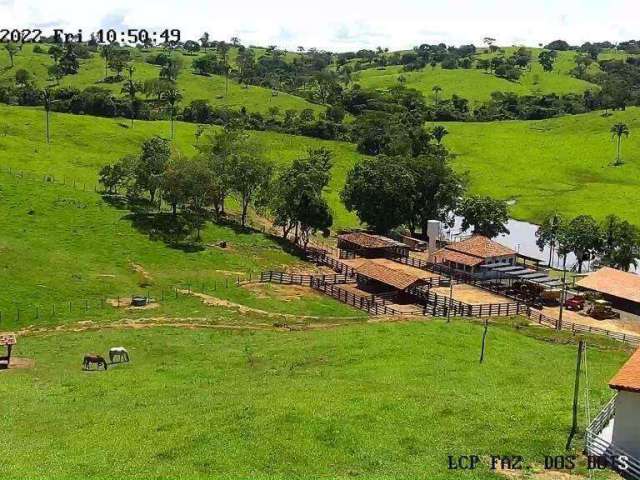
[92, 358]
[119, 352]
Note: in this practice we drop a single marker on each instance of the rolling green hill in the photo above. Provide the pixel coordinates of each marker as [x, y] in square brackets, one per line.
[477, 85]
[192, 86]
[561, 163]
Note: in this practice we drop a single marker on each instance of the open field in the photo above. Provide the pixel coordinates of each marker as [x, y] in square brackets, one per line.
[61, 244]
[477, 85]
[192, 86]
[374, 401]
[81, 145]
[559, 164]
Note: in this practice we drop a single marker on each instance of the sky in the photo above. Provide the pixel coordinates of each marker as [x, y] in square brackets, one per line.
[342, 25]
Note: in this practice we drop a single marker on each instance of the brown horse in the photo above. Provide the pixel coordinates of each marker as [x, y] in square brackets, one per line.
[91, 358]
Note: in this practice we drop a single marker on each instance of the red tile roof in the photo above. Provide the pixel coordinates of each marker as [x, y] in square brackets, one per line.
[480, 246]
[367, 240]
[613, 282]
[628, 377]
[446, 255]
[388, 276]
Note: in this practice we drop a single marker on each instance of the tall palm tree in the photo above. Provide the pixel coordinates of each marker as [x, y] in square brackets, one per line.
[47, 101]
[130, 88]
[436, 91]
[223, 50]
[439, 132]
[172, 97]
[617, 131]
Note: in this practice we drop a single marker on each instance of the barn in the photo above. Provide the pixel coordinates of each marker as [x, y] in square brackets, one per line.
[620, 288]
[375, 278]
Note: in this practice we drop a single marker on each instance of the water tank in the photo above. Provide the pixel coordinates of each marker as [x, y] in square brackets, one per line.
[433, 233]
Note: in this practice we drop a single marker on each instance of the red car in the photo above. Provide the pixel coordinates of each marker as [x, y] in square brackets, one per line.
[575, 303]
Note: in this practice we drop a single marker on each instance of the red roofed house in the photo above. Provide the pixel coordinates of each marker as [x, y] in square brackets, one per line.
[468, 255]
[626, 424]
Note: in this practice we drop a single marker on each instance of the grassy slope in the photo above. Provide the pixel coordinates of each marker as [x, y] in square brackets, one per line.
[193, 87]
[59, 244]
[381, 401]
[476, 85]
[562, 163]
[80, 145]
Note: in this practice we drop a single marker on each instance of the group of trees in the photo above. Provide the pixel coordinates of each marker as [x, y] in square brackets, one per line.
[613, 242]
[229, 162]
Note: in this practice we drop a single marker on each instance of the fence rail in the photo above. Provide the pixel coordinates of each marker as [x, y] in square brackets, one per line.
[303, 279]
[370, 303]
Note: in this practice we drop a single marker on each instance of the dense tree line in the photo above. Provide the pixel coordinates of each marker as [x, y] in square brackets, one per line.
[613, 242]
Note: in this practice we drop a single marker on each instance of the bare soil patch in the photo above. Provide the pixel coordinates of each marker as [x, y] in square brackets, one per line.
[126, 303]
[581, 318]
[286, 293]
[20, 362]
[471, 295]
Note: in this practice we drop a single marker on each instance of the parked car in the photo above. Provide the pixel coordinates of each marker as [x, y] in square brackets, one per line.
[575, 303]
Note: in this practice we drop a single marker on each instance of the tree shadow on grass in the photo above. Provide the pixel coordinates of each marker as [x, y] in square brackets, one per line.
[176, 231]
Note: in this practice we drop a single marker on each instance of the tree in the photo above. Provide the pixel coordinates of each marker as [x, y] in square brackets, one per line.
[439, 132]
[436, 91]
[621, 243]
[12, 49]
[583, 237]
[106, 52]
[23, 77]
[249, 172]
[112, 177]
[223, 50]
[548, 233]
[547, 58]
[150, 167]
[191, 46]
[295, 198]
[171, 68]
[204, 41]
[618, 131]
[487, 216]
[172, 97]
[379, 190]
[130, 88]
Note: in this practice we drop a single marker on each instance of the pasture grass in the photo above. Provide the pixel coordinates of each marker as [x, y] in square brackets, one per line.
[374, 401]
[561, 164]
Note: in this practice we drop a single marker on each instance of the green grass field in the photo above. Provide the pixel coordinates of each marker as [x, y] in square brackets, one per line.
[374, 401]
[192, 86]
[477, 85]
[559, 164]
[81, 145]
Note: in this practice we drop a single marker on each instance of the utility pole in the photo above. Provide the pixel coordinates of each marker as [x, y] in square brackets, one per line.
[563, 295]
[576, 391]
[484, 339]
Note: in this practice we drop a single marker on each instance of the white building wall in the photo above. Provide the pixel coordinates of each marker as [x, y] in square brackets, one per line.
[626, 428]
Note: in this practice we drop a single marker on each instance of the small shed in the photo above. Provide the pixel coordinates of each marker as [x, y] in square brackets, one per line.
[371, 246]
[626, 424]
[620, 288]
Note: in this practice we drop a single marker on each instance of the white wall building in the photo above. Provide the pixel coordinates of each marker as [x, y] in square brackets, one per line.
[626, 427]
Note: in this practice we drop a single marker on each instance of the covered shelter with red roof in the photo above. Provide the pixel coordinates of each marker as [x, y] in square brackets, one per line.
[473, 253]
[622, 289]
[368, 245]
[376, 278]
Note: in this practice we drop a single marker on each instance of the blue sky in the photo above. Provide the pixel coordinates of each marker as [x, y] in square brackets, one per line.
[341, 25]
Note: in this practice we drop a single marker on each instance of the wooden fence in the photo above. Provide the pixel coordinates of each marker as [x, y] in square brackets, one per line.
[303, 279]
[443, 303]
[370, 303]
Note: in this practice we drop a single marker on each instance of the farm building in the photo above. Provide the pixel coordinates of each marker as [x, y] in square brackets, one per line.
[474, 253]
[370, 246]
[622, 289]
[376, 278]
[626, 423]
